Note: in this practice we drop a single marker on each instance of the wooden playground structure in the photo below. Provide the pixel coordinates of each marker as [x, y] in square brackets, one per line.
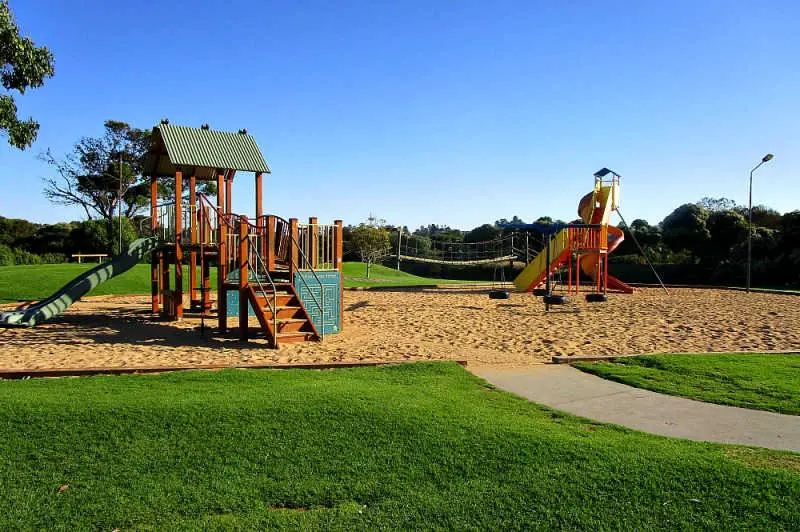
[284, 273]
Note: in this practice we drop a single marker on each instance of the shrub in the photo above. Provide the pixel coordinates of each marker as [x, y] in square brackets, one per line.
[53, 258]
[6, 256]
[22, 257]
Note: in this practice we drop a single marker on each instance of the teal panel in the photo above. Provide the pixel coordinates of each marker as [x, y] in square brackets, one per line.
[328, 296]
[233, 304]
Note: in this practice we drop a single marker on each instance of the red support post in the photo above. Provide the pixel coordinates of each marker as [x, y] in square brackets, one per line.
[259, 204]
[154, 257]
[228, 195]
[193, 296]
[178, 249]
[243, 278]
[154, 281]
[222, 256]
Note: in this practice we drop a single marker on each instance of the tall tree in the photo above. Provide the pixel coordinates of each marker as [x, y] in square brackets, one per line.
[717, 204]
[727, 229]
[685, 228]
[483, 233]
[23, 66]
[102, 171]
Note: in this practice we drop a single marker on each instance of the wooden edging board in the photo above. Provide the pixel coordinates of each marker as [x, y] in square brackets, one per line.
[80, 372]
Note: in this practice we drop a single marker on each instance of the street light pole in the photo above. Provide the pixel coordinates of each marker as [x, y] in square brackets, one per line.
[119, 203]
[768, 157]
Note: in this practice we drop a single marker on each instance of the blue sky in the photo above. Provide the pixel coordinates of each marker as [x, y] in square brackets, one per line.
[454, 113]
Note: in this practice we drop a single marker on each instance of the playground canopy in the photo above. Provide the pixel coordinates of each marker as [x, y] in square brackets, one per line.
[202, 149]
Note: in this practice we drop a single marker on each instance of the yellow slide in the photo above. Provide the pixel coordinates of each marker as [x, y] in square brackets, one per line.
[535, 272]
[594, 208]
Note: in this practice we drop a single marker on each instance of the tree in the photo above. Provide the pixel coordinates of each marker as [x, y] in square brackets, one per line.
[89, 176]
[717, 204]
[13, 230]
[23, 66]
[727, 229]
[514, 220]
[483, 233]
[763, 216]
[685, 228]
[371, 242]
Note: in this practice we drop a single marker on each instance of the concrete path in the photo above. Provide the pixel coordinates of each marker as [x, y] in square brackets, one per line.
[565, 388]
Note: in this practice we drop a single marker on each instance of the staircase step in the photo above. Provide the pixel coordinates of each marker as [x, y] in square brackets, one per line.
[294, 337]
[284, 312]
[294, 325]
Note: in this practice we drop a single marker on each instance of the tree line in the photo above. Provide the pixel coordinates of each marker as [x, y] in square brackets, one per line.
[703, 242]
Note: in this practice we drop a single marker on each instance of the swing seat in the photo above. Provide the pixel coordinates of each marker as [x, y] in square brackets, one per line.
[540, 291]
[499, 294]
[552, 299]
[596, 298]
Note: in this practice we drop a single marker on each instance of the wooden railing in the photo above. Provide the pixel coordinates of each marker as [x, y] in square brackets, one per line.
[318, 242]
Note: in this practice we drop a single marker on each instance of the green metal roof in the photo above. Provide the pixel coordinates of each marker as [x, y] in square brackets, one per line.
[204, 150]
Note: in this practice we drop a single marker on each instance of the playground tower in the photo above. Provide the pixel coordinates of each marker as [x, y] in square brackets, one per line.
[284, 274]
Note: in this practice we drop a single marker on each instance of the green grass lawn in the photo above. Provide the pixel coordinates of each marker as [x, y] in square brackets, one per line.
[420, 446]
[355, 275]
[759, 381]
[22, 283]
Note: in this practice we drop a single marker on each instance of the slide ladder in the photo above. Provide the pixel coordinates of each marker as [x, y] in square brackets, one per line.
[79, 286]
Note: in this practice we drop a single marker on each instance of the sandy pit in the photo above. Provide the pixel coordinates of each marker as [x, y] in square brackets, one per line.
[450, 324]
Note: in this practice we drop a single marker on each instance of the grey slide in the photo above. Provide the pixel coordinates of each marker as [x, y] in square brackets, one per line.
[79, 287]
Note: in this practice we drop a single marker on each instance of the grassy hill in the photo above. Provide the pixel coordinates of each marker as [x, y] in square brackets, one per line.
[355, 274]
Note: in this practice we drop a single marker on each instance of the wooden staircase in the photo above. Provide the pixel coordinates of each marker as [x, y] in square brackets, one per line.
[290, 322]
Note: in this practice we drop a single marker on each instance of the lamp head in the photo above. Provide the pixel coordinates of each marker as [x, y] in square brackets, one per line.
[767, 157]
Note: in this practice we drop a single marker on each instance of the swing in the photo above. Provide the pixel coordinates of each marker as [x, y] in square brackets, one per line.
[499, 293]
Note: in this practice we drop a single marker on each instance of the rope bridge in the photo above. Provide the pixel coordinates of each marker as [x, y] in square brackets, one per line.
[461, 253]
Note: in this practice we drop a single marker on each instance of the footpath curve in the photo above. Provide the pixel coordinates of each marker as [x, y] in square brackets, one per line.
[563, 387]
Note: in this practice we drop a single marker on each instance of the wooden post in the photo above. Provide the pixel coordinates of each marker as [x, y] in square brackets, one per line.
[337, 264]
[313, 242]
[243, 278]
[155, 254]
[222, 256]
[163, 266]
[228, 184]
[261, 240]
[193, 296]
[206, 295]
[178, 250]
[293, 250]
[259, 199]
[154, 280]
[270, 243]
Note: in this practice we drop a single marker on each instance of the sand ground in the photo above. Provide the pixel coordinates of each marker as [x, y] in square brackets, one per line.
[449, 324]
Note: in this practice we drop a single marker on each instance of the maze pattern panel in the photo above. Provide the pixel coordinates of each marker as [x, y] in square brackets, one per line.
[331, 301]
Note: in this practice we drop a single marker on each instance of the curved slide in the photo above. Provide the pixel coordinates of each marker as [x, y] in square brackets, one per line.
[78, 287]
[594, 208]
